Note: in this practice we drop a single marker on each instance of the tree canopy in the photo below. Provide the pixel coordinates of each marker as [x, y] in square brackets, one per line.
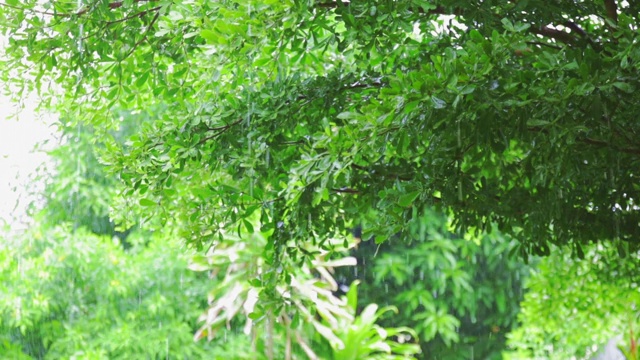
[322, 114]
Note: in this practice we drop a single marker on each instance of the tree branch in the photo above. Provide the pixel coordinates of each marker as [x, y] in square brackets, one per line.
[331, 5]
[545, 31]
[144, 37]
[603, 143]
[218, 131]
[29, 9]
[612, 10]
[346, 190]
[540, 43]
[138, 14]
[555, 34]
[440, 10]
[112, 6]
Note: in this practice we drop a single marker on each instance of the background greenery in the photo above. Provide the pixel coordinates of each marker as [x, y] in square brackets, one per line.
[258, 133]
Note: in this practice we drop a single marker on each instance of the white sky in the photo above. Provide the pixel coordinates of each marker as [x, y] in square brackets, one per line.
[18, 157]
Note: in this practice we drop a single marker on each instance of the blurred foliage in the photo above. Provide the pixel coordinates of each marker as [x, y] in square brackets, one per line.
[630, 346]
[571, 305]
[460, 294]
[75, 287]
[74, 294]
[299, 317]
[79, 189]
[362, 338]
[79, 288]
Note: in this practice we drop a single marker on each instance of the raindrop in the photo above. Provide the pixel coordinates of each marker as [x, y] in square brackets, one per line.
[268, 156]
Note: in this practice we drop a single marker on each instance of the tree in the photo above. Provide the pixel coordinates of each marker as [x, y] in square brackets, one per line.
[460, 295]
[571, 305]
[71, 289]
[519, 114]
[74, 286]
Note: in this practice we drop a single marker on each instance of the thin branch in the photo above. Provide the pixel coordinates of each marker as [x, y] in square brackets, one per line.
[577, 29]
[440, 10]
[574, 27]
[108, 23]
[540, 43]
[223, 127]
[219, 131]
[135, 46]
[603, 143]
[545, 31]
[346, 190]
[139, 14]
[612, 10]
[555, 34]
[112, 6]
[363, 85]
[28, 9]
[331, 5]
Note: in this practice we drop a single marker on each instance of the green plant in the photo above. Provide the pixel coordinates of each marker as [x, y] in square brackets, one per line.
[460, 294]
[518, 115]
[75, 294]
[278, 312]
[572, 304]
[360, 337]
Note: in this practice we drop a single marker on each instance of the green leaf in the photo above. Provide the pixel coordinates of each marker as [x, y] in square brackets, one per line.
[147, 202]
[628, 88]
[537, 122]
[248, 225]
[209, 35]
[406, 200]
[255, 315]
[438, 103]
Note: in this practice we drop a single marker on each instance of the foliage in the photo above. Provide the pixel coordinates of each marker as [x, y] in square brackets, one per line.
[362, 338]
[75, 294]
[76, 287]
[319, 115]
[77, 190]
[460, 295]
[292, 311]
[515, 113]
[134, 289]
[631, 350]
[570, 304]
